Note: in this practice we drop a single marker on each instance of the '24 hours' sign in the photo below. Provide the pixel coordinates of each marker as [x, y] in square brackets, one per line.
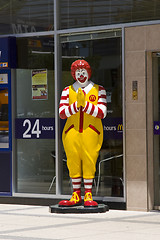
[35, 128]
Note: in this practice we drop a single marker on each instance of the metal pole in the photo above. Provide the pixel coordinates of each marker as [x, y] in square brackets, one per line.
[124, 110]
[57, 91]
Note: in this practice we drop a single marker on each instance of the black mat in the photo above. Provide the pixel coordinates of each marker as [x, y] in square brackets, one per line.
[79, 209]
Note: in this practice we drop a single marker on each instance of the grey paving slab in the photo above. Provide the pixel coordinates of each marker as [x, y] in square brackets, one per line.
[19, 222]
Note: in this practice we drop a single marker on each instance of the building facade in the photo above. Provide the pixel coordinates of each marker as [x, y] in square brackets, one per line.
[38, 42]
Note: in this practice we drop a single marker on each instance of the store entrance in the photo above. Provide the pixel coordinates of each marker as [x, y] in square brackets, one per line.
[35, 96]
[156, 119]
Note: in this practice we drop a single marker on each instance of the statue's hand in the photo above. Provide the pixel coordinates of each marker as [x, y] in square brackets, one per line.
[80, 98]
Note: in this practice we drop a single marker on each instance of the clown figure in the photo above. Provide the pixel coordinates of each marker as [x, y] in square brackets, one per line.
[83, 104]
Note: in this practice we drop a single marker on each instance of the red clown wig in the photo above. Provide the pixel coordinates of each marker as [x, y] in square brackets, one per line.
[80, 64]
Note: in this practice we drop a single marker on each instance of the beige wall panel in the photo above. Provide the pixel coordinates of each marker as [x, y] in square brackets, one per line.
[135, 64]
[139, 147]
[153, 37]
[136, 195]
[136, 170]
[135, 38]
[135, 143]
[139, 163]
[136, 115]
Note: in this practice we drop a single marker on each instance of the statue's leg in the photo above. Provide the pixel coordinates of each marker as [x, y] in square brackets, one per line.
[88, 200]
[72, 149]
[90, 151]
[76, 199]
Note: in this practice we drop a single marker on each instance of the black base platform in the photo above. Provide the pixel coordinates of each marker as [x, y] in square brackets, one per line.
[79, 209]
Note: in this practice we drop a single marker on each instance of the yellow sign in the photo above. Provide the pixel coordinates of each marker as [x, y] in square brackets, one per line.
[120, 127]
[135, 90]
[135, 95]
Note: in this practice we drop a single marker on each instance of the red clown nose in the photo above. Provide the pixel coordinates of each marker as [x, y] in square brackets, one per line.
[80, 64]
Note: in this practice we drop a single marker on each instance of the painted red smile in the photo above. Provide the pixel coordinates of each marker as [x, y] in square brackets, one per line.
[82, 79]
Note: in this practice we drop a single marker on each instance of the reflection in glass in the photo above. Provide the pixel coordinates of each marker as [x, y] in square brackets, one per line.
[20, 16]
[104, 56]
[76, 13]
[35, 166]
[4, 121]
[35, 161]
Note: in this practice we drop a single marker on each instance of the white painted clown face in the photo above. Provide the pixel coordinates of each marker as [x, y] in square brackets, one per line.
[81, 75]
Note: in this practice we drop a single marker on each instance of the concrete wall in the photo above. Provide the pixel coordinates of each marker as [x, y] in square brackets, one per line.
[140, 42]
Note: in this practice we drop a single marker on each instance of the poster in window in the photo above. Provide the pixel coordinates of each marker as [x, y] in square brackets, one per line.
[39, 84]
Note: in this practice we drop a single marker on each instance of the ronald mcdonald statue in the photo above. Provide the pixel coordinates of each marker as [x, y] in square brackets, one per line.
[83, 104]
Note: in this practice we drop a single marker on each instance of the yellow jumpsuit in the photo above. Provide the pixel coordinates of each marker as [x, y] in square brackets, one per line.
[82, 138]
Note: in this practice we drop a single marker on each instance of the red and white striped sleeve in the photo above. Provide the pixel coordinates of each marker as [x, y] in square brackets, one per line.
[99, 110]
[66, 110]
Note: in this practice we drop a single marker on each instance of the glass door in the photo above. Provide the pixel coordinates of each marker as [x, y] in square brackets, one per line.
[35, 116]
[103, 52]
[156, 118]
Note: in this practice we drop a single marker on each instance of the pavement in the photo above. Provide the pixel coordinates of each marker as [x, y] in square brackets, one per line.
[28, 222]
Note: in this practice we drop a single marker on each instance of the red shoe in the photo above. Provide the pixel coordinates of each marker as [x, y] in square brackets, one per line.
[75, 200]
[88, 200]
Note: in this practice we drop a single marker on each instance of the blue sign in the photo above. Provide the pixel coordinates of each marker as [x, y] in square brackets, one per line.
[8, 52]
[156, 127]
[35, 128]
[112, 128]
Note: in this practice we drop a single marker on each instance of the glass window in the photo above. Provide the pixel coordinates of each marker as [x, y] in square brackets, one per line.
[156, 119]
[104, 56]
[19, 16]
[75, 13]
[35, 113]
